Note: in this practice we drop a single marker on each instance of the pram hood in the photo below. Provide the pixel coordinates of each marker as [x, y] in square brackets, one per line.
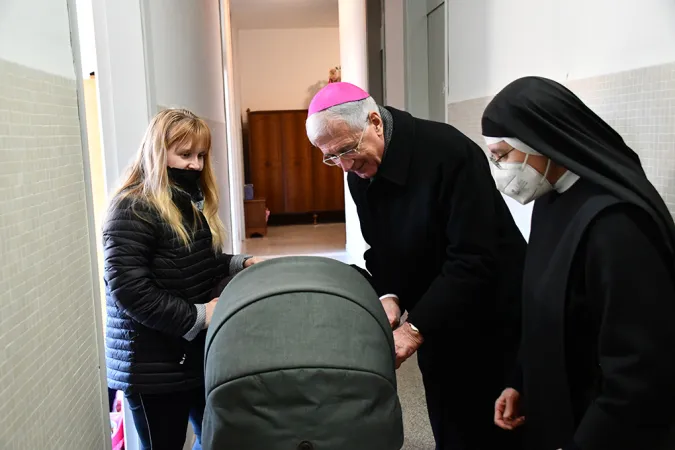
[300, 355]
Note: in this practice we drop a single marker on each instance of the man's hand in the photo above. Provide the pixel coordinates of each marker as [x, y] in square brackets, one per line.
[210, 306]
[507, 407]
[406, 342]
[249, 262]
[390, 305]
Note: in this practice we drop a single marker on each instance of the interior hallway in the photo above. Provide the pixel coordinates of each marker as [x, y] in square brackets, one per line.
[328, 240]
[319, 240]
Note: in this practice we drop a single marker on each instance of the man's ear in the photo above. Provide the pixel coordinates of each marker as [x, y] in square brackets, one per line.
[377, 122]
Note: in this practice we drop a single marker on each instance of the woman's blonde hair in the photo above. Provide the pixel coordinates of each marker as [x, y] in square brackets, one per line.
[147, 178]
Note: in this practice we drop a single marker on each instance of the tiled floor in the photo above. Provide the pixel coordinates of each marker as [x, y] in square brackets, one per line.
[319, 240]
[329, 240]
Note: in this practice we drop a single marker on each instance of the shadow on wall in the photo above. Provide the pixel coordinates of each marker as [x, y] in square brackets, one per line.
[313, 89]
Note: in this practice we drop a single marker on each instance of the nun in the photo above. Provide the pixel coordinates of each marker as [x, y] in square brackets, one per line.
[597, 358]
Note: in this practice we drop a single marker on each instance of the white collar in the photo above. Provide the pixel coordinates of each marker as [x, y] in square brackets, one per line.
[566, 181]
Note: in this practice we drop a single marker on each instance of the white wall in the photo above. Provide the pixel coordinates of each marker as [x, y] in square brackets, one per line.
[492, 42]
[185, 60]
[85, 26]
[24, 35]
[122, 81]
[283, 69]
[394, 53]
[186, 54]
[53, 392]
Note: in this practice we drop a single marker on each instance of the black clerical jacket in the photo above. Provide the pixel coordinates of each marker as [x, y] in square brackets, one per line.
[441, 236]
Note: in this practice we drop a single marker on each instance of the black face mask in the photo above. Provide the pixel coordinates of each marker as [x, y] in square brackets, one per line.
[187, 180]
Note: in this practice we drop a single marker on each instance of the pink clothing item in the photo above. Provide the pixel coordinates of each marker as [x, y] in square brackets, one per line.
[336, 94]
[117, 424]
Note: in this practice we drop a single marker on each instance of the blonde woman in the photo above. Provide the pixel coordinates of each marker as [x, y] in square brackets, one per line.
[163, 259]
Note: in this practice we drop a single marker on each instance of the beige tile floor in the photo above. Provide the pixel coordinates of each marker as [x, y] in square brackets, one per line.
[322, 239]
[329, 240]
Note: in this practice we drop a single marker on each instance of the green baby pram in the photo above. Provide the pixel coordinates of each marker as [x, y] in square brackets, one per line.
[299, 355]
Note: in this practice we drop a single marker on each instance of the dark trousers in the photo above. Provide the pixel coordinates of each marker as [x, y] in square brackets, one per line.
[111, 398]
[461, 390]
[161, 420]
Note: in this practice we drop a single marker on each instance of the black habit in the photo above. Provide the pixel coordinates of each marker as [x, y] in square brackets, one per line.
[598, 351]
[443, 240]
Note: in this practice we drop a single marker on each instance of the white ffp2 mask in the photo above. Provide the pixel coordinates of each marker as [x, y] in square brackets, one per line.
[521, 182]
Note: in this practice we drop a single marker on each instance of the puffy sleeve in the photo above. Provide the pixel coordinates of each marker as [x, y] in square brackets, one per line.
[634, 283]
[129, 239]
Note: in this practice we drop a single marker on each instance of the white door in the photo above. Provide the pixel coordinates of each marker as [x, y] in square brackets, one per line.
[436, 59]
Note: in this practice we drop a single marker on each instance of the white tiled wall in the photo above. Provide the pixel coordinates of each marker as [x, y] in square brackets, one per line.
[50, 393]
[639, 104]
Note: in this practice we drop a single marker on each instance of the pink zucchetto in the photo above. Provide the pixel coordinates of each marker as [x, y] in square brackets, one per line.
[335, 94]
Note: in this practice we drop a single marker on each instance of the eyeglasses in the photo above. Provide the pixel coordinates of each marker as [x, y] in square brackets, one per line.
[495, 161]
[334, 160]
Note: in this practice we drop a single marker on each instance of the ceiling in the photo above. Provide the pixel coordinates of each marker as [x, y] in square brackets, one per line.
[261, 14]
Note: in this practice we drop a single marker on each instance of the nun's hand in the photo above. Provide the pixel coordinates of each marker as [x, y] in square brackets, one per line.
[507, 410]
[406, 342]
[390, 305]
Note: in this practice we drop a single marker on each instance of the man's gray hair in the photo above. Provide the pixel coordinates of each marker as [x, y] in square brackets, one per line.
[354, 114]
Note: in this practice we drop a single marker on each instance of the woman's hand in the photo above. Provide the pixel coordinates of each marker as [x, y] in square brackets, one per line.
[249, 262]
[507, 410]
[210, 306]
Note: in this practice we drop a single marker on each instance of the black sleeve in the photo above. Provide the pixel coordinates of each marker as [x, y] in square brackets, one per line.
[517, 376]
[376, 278]
[224, 260]
[128, 243]
[469, 267]
[372, 272]
[636, 344]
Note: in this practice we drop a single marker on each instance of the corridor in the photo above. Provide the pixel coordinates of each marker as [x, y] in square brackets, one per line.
[81, 80]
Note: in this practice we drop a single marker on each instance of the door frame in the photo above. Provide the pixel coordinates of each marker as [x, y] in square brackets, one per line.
[446, 15]
[99, 326]
[416, 47]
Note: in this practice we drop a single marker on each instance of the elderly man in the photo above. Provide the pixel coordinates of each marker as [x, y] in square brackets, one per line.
[443, 247]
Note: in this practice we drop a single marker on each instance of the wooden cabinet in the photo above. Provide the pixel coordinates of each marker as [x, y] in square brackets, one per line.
[286, 169]
[255, 217]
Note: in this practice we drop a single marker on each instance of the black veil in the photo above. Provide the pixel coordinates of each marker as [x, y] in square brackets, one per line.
[549, 118]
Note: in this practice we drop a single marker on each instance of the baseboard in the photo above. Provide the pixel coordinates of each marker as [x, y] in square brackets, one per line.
[306, 218]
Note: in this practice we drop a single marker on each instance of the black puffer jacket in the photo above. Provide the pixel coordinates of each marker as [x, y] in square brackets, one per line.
[153, 283]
